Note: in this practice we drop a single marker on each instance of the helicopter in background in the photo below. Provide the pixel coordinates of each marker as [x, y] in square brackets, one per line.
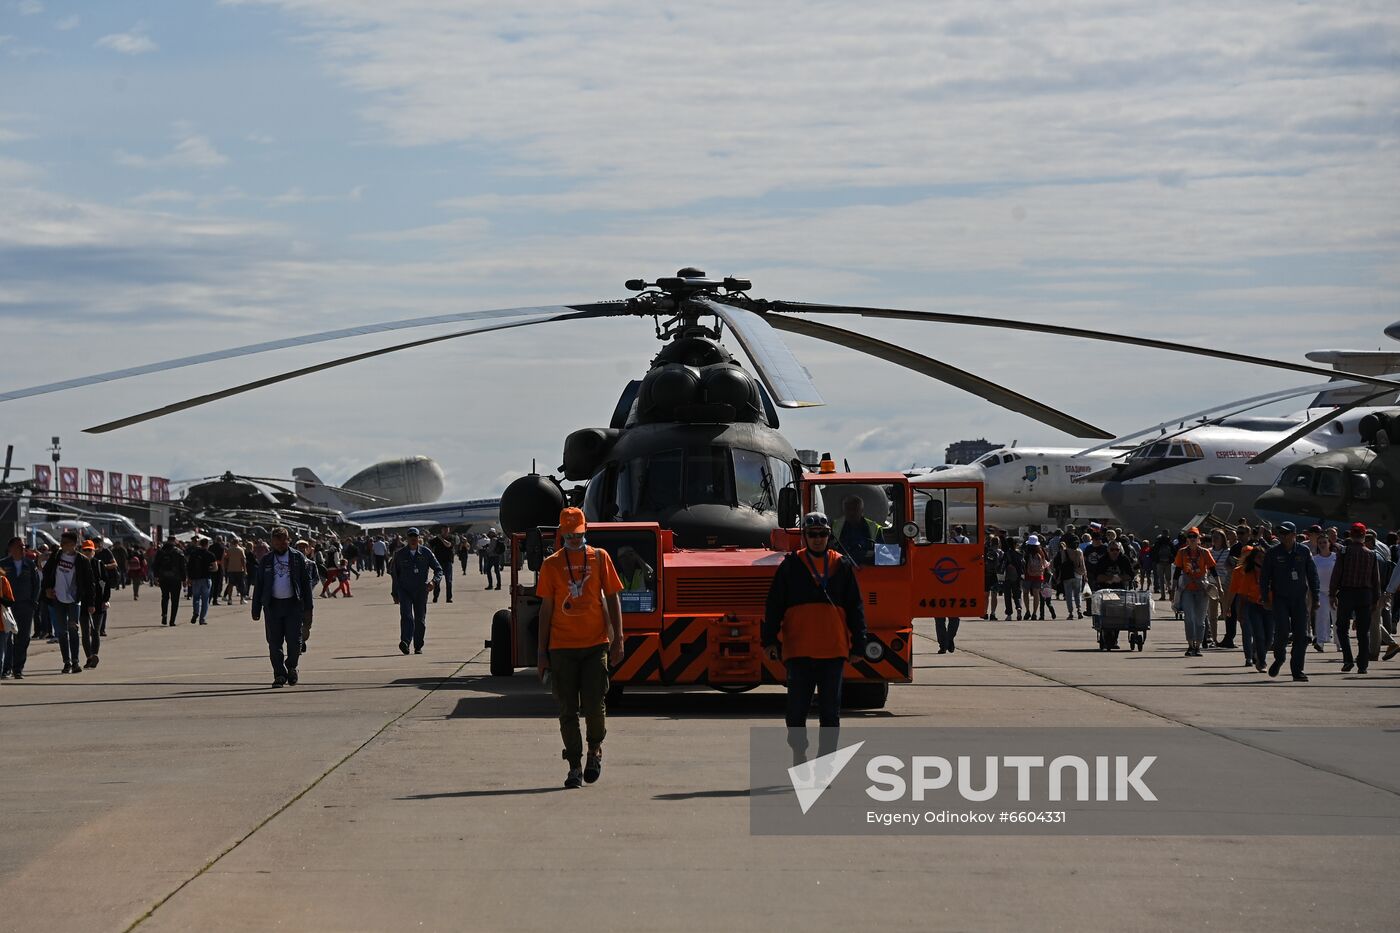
[695, 443]
[244, 503]
[1349, 484]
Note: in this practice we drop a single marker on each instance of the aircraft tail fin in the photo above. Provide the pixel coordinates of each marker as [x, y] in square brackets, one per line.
[310, 487]
[1366, 362]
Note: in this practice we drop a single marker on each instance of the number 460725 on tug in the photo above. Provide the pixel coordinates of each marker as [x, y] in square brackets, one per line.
[692, 617]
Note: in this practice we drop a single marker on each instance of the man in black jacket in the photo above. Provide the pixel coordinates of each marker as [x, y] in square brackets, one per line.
[28, 587]
[200, 566]
[282, 590]
[70, 583]
[444, 549]
[814, 622]
[169, 571]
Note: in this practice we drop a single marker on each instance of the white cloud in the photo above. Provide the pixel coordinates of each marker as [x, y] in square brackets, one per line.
[134, 42]
[72, 21]
[1218, 173]
[192, 150]
[28, 7]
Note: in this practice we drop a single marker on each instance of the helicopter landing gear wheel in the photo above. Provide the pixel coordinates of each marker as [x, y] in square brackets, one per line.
[502, 655]
[865, 695]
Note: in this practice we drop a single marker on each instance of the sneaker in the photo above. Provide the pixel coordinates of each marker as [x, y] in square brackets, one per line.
[1347, 667]
[75, 670]
[1301, 677]
[67, 668]
[1188, 653]
[1360, 670]
[279, 680]
[403, 647]
[1259, 668]
[193, 620]
[1275, 667]
[593, 767]
[575, 778]
[994, 617]
[1317, 647]
[1391, 652]
[418, 649]
[292, 676]
[18, 675]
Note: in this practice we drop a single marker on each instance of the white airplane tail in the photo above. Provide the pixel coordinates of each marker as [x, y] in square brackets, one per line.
[310, 488]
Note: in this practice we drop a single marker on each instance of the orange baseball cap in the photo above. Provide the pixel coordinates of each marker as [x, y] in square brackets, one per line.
[572, 522]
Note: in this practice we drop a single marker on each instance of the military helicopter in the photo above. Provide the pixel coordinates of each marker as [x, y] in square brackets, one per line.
[694, 444]
[256, 500]
[1349, 484]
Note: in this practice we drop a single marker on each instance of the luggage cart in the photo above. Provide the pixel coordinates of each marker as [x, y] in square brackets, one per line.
[1116, 611]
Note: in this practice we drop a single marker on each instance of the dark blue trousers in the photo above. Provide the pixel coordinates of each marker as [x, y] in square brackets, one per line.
[413, 618]
[282, 623]
[1291, 618]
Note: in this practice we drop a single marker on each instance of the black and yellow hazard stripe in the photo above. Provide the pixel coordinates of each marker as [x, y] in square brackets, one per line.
[641, 660]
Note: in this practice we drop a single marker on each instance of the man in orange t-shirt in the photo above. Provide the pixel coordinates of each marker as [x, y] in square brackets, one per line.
[580, 633]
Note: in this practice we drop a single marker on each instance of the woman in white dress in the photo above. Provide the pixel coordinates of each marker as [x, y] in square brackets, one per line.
[1325, 558]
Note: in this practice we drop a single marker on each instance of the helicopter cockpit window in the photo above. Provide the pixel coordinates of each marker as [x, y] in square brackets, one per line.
[655, 483]
[866, 521]
[754, 483]
[707, 476]
[1329, 482]
[1360, 486]
[1297, 477]
[988, 460]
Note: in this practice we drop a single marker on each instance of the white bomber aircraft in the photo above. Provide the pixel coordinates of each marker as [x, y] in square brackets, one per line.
[1033, 485]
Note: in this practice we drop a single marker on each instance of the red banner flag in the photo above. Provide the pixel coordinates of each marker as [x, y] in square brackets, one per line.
[160, 489]
[43, 476]
[114, 485]
[96, 483]
[68, 479]
[133, 486]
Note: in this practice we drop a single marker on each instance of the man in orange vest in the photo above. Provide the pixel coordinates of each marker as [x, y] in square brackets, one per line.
[580, 633]
[814, 622]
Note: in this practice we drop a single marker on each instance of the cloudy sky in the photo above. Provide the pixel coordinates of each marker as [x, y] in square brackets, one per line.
[184, 175]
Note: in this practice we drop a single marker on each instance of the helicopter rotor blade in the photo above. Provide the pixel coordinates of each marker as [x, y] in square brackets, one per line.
[597, 311]
[489, 315]
[941, 371]
[787, 381]
[1229, 408]
[1007, 324]
[1311, 426]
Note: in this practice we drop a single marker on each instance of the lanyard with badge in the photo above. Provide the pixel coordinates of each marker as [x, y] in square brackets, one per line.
[575, 585]
[823, 578]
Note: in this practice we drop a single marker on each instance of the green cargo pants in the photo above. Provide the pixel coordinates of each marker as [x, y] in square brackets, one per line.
[580, 678]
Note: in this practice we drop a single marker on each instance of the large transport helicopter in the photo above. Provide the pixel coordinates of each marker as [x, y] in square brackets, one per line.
[695, 492]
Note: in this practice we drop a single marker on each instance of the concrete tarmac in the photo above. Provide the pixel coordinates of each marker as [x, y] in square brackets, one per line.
[172, 789]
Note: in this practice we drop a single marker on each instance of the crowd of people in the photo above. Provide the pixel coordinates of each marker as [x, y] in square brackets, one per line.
[1274, 587]
[62, 596]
